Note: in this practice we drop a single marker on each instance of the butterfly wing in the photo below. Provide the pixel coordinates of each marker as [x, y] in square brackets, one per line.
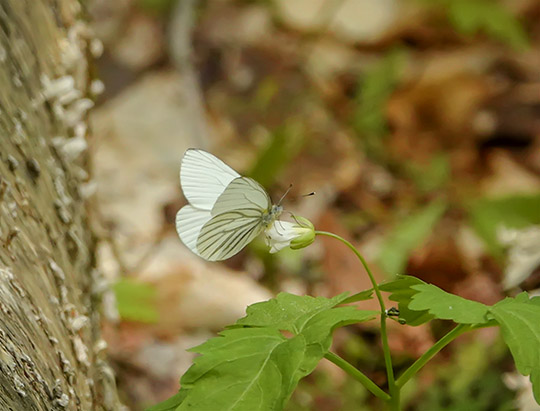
[237, 218]
[204, 178]
[242, 193]
[224, 235]
[189, 222]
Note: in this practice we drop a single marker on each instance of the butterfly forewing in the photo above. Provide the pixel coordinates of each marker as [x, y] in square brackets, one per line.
[204, 178]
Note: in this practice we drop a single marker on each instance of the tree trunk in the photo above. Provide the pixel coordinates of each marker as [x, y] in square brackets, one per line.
[51, 354]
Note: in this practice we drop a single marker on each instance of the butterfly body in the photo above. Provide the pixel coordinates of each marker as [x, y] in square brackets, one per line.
[225, 212]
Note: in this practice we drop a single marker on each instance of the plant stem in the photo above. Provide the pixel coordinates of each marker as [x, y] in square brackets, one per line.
[357, 375]
[394, 390]
[430, 353]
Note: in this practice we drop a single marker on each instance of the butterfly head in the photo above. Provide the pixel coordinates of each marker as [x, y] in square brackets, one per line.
[274, 212]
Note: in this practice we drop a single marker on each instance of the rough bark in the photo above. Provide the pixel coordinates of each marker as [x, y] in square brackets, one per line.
[51, 354]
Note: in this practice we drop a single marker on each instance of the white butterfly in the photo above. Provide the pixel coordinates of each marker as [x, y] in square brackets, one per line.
[225, 212]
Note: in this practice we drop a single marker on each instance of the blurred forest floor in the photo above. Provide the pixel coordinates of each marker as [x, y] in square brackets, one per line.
[417, 122]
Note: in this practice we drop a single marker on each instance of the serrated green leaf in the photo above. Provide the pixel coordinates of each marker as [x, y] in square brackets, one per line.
[253, 366]
[408, 235]
[489, 214]
[520, 327]
[243, 369]
[446, 306]
[401, 291]
[292, 312]
[314, 318]
[136, 301]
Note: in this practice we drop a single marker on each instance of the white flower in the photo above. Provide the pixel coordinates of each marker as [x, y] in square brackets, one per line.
[523, 253]
[283, 234]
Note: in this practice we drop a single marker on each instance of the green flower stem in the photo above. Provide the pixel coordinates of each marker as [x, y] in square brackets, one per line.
[431, 352]
[394, 390]
[357, 375]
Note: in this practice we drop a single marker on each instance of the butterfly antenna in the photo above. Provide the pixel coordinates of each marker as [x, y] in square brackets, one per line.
[309, 194]
[283, 196]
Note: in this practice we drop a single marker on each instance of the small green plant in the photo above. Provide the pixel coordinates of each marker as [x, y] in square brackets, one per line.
[256, 363]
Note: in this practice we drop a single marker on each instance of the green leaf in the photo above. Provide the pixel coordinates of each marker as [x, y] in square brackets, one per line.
[407, 235]
[361, 296]
[402, 292]
[431, 177]
[252, 365]
[169, 404]
[284, 144]
[376, 88]
[136, 301]
[313, 317]
[489, 214]
[471, 16]
[446, 306]
[520, 327]
[243, 369]
[420, 302]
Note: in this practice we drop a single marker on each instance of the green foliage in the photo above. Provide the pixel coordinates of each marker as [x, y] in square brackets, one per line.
[519, 319]
[435, 175]
[253, 365]
[169, 404]
[470, 382]
[446, 306]
[472, 16]
[377, 85]
[408, 235]
[490, 214]
[285, 143]
[402, 292]
[136, 301]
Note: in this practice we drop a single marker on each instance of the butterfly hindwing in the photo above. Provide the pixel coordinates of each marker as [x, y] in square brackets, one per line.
[225, 234]
[243, 193]
[189, 222]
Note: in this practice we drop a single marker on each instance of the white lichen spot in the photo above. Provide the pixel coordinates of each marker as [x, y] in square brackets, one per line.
[100, 346]
[81, 350]
[79, 322]
[75, 112]
[88, 189]
[74, 147]
[63, 401]
[96, 47]
[57, 271]
[79, 130]
[97, 87]
[55, 89]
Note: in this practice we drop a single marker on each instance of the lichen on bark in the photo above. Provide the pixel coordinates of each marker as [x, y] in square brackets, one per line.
[51, 354]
